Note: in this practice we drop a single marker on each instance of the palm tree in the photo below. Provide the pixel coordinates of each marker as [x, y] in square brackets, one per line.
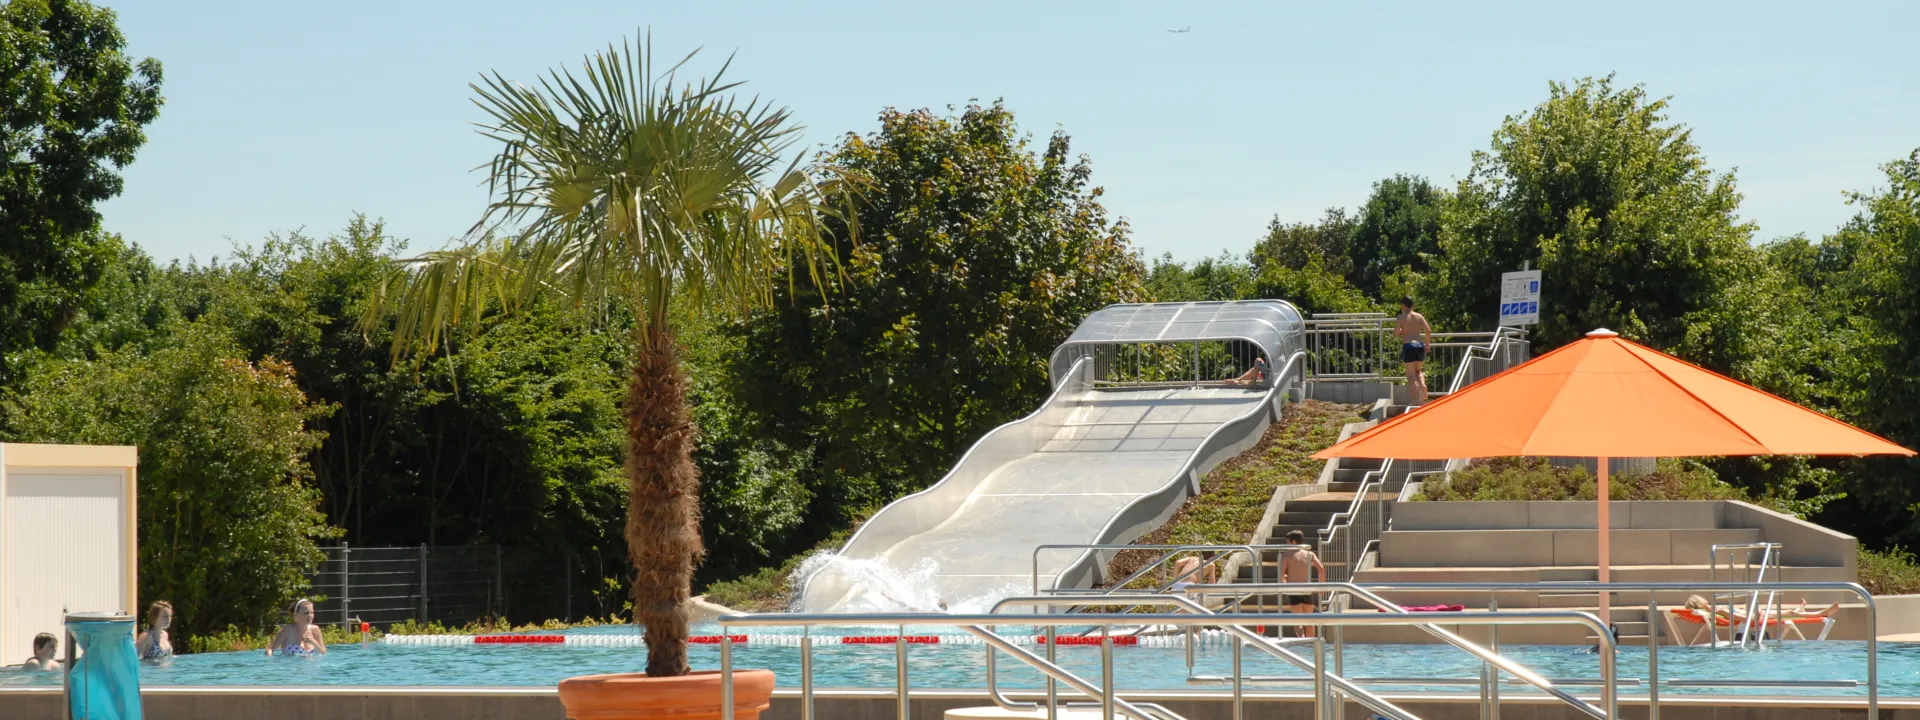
[617, 188]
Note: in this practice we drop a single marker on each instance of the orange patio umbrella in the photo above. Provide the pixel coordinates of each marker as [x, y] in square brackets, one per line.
[1606, 397]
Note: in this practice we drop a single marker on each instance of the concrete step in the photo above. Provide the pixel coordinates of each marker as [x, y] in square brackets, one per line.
[1292, 519]
[1534, 548]
[1349, 476]
[1361, 464]
[1573, 597]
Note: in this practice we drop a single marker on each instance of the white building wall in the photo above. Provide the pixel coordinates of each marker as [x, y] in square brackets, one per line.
[66, 537]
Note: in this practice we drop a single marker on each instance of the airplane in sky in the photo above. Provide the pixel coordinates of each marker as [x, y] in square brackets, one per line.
[1181, 30]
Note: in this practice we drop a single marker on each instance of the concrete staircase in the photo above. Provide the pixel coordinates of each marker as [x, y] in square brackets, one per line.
[1340, 482]
[1524, 543]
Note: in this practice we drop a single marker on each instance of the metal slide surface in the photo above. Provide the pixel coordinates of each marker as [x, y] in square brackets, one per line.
[1101, 461]
[1089, 455]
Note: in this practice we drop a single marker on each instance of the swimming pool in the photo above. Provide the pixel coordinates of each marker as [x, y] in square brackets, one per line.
[949, 666]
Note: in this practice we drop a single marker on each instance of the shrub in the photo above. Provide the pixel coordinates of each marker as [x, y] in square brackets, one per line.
[1537, 479]
[1893, 572]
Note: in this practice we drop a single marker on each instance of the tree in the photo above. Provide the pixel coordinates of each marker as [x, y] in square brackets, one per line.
[1615, 204]
[1398, 227]
[228, 517]
[1297, 245]
[71, 111]
[620, 188]
[1310, 287]
[1226, 277]
[1876, 290]
[977, 257]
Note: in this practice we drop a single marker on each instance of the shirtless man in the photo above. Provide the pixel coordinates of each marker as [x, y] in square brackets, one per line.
[1415, 337]
[1297, 566]
[1184, 570]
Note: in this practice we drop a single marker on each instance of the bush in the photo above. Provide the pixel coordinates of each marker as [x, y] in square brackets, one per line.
[1894, 572]
[1537, 479]
[228, 514]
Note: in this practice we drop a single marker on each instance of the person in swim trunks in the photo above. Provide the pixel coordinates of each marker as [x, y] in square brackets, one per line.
[1298, 566]
[1415, 338]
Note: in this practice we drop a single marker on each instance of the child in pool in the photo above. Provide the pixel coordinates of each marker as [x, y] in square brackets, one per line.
[44, 646]
[154, 644]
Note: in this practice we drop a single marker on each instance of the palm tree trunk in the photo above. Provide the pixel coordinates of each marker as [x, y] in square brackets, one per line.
[663, 500]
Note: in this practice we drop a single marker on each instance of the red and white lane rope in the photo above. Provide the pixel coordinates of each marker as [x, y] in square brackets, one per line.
[1203, 638]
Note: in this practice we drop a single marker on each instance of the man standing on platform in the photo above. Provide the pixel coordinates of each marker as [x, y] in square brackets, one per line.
[1415, 337]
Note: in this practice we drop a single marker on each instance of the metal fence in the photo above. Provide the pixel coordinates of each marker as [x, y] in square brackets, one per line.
[1174, 363]
[1361, 347]
[423, 583]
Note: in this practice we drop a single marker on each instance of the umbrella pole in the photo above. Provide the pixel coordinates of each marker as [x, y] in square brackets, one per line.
[1606, 545]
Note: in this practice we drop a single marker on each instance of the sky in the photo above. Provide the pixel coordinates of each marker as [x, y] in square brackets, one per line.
[294, 116]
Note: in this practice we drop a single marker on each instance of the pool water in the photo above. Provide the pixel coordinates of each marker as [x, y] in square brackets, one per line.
[961, 667]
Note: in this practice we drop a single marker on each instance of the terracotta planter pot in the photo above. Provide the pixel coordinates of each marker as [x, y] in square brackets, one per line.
[634, 696]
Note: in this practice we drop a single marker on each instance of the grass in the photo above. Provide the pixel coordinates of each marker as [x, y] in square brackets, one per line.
[1893, 572]
[1234, 496]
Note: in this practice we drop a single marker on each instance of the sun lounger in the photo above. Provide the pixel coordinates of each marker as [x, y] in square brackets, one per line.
[1676, 617]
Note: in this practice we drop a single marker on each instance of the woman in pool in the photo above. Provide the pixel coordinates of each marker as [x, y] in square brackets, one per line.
[44, 646]
[153, 644]
[300, 637]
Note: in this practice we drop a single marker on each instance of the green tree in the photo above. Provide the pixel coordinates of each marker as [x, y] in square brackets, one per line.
[1313, 289]
[72, 106]
[620, 188]
[1298, 245]
[1398, 227]
[228, 517]
[1614, 203]
[977, 257]
[1226, 277]
[1877, 289]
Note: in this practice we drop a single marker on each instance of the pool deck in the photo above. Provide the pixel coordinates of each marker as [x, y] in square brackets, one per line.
[542, 703]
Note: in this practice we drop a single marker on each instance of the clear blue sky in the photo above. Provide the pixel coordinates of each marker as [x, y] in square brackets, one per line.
[286, 115]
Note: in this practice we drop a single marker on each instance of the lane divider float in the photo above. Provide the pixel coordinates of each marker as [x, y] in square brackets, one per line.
[1202, 639]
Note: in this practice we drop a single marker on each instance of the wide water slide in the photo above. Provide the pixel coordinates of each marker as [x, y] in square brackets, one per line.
[1110, 456]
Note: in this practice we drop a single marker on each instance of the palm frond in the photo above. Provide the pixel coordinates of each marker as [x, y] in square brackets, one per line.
[619, 184]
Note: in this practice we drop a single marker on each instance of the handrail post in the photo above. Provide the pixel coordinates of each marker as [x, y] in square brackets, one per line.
[1493, 645]
[1106, 673]
[1239, 709]
[1319, 677]
[900, 669]
[1053, 686]
[726, 675]
[806, 673]
[1653, 657]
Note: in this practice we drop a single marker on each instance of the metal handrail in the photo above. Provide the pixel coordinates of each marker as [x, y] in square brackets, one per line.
[1253, 551]
[1109, 702]
[1268, 645]
[1769, 557]
[1170, 551]
[1378, 478]
[1504, 335]
[1873, 614]
[1447, 636]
